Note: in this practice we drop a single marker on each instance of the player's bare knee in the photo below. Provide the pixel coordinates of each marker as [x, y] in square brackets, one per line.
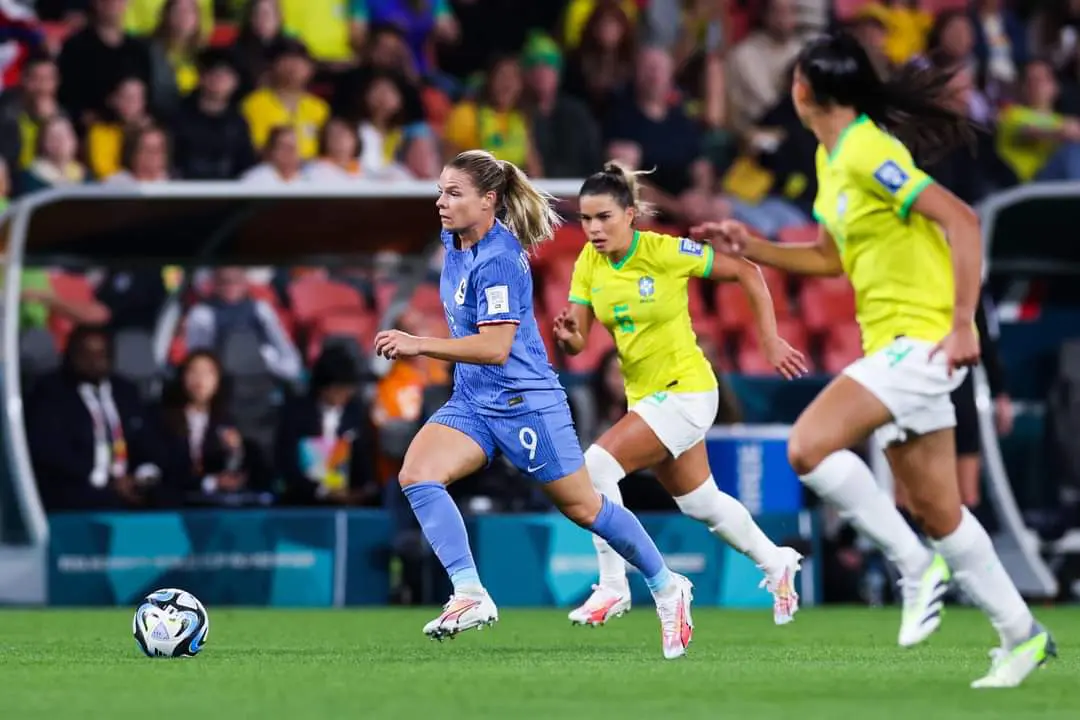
[411, 474]
[803, 453]
[937, 519]
[583, 513]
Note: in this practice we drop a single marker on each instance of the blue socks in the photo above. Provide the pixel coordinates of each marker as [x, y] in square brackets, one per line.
[624, 533]
[444, 529]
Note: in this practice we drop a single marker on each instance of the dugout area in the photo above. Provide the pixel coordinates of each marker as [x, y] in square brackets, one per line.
[191, 225]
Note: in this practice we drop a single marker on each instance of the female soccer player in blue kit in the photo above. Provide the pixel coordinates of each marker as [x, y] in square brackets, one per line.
[506, 397]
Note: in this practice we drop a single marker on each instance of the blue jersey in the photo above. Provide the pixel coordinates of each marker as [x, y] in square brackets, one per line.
[487, 284]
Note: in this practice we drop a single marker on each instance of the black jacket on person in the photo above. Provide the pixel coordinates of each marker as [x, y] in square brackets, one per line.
[210, 147]
[60, 433]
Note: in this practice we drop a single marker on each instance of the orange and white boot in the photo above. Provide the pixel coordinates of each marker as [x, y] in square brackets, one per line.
[464, 611]
[676, 624]
[605, 603]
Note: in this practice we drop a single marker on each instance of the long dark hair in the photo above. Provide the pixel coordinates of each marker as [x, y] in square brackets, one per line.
[913, 104]
[174, 397]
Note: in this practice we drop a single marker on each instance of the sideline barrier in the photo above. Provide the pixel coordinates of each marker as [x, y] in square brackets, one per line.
[328, 558]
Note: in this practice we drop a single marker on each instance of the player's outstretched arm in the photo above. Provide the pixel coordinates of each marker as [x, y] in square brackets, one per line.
[490, 346]
[731, 237]
[788, 361]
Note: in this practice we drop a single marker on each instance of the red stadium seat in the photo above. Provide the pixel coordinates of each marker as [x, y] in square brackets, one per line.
[695, 292]
[752, 361]
[426, 299]
[358, 326]
[312, 298]
[733, 306]
[833, 361]
[567, 242]
[825, 302]
[73, 288]
[556, 284]
[547, 333]
[384, 295]
[844, 337]
[790, 329]
[600, 342]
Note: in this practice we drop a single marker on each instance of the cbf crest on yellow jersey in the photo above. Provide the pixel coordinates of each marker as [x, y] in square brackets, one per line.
[898, 261]
[642, 302]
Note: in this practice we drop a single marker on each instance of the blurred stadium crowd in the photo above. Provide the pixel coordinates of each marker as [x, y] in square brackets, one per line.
[258, 402]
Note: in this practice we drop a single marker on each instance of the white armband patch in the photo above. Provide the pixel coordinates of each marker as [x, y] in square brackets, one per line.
[498, 299]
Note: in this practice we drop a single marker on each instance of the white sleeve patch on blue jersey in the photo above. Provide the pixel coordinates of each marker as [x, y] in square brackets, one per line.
[891, 177]
[498, 299]
[691, 247]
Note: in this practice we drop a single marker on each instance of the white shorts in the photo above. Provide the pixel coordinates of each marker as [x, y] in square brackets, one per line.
[915, 388]
[680, 420]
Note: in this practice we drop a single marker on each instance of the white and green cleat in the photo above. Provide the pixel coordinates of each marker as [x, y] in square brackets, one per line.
[1009, 668]
[924, 602]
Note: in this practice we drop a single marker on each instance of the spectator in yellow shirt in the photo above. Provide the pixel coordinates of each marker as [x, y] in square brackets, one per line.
[1035, 140]
[143, 16]
[324, 26]
[495, 121]
[105, 140]
[174, 46]
[578, 13]
[286, 100]
[906, 27]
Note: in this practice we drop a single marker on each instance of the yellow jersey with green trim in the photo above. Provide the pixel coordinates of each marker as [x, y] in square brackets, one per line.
[898, 261]
[642, 301]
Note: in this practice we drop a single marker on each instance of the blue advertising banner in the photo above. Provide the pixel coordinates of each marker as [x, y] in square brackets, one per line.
[750, 463]
[543, 560]
[250, 557]
[324, 558]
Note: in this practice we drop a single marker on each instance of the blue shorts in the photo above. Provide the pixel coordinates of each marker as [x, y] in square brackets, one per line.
[542, 444]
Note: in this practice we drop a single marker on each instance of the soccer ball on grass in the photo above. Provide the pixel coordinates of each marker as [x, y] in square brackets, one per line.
[171, 623]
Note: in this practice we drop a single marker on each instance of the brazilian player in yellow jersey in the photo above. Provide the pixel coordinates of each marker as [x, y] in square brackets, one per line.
[635, 284]
[912, 251]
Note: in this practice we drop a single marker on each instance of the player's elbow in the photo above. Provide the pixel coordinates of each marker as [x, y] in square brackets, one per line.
[962, 222]
[496, 353]
[830, 264]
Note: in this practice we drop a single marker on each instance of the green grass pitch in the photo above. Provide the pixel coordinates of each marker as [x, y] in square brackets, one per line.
[835, 664]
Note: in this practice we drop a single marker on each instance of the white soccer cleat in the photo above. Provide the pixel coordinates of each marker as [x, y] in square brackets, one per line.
[604, 604]
[1009, 668]
[780, 581]
[924, 602]
[676, 624]
[464, 611]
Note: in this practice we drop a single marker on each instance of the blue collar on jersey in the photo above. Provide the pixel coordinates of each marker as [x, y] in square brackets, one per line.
[450, 238]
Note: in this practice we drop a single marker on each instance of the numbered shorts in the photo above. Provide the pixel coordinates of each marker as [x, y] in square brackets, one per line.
[916, 389]
[542, 444]
[679, 420]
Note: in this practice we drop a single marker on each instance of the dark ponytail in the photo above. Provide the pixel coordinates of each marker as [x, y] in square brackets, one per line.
[621, 183]
[913, 104]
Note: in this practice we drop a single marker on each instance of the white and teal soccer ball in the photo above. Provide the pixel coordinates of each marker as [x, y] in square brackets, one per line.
[171, 623]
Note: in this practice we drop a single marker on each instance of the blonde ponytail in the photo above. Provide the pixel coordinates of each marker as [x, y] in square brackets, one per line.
[525, 210]
[528, 212]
